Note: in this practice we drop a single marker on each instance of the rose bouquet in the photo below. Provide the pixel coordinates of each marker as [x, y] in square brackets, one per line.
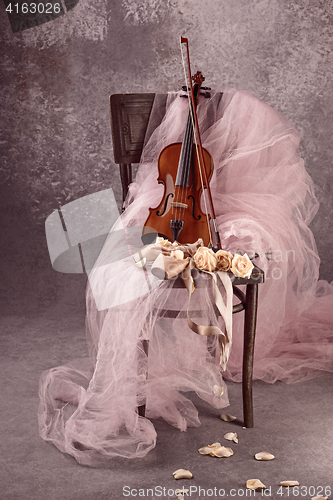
[205, 259]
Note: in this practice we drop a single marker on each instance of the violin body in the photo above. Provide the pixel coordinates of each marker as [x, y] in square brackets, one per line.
[182, 202]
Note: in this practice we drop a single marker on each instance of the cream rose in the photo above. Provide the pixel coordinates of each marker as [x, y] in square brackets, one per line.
[224, 260]
[163, 242]
[178, 254]
[241, 266]
[205, 259]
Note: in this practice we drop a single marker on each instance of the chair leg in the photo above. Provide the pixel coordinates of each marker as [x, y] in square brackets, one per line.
[126, 178]
[142, 408]
[249, 337]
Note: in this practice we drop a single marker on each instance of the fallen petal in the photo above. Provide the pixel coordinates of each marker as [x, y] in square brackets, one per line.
[231, 436]
[227, 418]
[180, 493]
[182, 474]
[206, 450]
[254, 484]
[264, 455]
[216, 450]
[289, 483]
[222, 452]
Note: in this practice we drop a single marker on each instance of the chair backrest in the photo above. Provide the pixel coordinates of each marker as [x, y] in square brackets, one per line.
[129, 119]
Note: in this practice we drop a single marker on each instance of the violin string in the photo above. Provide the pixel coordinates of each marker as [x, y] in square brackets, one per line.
[185, 189]
[200, 168]
[196, 145]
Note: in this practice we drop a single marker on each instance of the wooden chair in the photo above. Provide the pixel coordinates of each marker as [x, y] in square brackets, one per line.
[129, 119]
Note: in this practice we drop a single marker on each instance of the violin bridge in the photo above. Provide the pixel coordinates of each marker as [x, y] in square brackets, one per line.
[176, 204]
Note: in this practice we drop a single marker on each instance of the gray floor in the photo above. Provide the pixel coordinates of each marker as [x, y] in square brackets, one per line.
[294, 422]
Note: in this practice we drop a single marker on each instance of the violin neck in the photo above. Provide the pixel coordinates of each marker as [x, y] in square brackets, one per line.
[185, 158]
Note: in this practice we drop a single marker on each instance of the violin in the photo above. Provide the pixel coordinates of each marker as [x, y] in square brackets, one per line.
[185, 170]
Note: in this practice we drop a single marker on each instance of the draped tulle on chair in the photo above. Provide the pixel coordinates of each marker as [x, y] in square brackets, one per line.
[264, 201]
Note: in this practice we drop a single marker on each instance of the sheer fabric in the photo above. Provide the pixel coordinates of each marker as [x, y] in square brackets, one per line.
[264, 201]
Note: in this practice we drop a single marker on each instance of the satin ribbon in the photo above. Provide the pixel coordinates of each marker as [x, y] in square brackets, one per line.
[167, 266]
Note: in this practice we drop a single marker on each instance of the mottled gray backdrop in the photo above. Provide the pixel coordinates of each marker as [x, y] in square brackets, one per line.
[55, 124]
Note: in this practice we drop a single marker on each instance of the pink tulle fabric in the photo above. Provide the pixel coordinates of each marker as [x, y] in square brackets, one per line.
[264, 201]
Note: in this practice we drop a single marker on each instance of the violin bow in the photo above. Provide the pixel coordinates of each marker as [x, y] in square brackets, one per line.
[198, 144]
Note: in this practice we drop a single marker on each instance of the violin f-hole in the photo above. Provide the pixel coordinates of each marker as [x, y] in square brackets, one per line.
[165, 205]
[193, 207]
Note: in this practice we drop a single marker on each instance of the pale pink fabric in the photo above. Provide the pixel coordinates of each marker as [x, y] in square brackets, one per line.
[264, 200]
